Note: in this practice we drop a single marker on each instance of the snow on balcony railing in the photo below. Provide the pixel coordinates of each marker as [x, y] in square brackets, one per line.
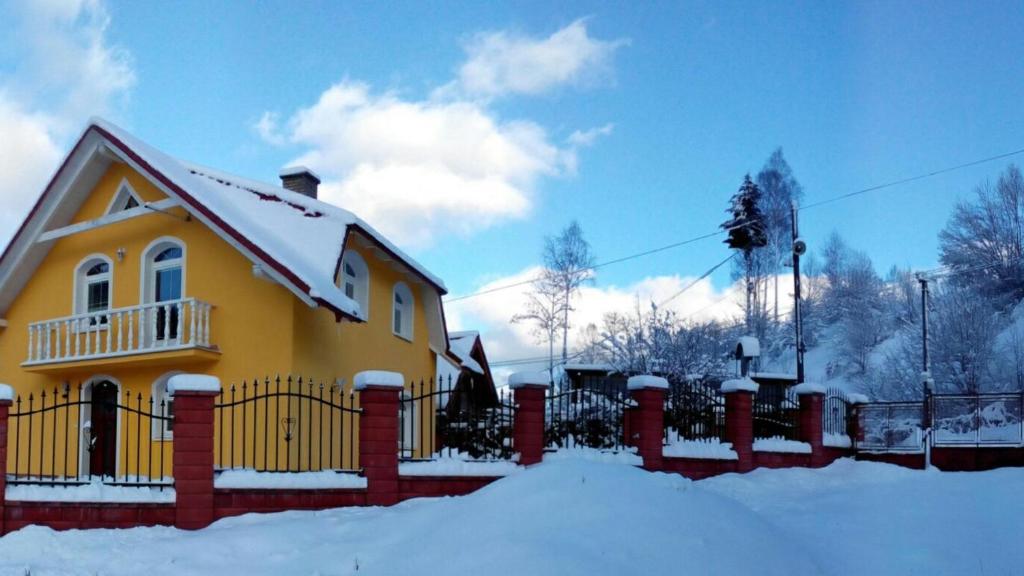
[174, 324]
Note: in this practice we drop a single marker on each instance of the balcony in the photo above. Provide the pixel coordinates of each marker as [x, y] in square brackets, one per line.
[158, 333]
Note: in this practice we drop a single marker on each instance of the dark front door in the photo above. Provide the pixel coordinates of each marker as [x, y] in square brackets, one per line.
[103, 433]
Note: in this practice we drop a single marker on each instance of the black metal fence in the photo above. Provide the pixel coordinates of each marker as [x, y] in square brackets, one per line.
[836, 412]
[72, 436]
[291, 424]
[591, 416]
[694, 411]
[443, 420]
[776, 413]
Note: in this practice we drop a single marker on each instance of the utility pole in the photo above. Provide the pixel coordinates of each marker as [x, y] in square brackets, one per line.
[799, 247]
[926, 377]
[925, 361]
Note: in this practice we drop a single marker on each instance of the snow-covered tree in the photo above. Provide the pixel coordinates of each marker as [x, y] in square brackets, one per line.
[746, 231]
[989, 233]
[779, 189]
[962, 336]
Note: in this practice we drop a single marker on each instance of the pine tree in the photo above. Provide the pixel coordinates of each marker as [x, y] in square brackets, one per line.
[746, 233]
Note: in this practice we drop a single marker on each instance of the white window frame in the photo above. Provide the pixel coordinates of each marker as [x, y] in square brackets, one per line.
[124, 192]
[359, 280]
[159, 393]
[407, 310]
[147, 283]
[80, 290]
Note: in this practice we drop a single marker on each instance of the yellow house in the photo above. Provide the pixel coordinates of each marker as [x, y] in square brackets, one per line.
[134, 266]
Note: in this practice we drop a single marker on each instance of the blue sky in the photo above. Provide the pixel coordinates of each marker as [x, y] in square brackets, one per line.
[670, 104]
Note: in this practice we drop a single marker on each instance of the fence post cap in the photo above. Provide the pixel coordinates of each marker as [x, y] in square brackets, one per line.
[858, 398]
[379, 379]
[744, 384]
[193, 383]
[807, 388]
[524, 379]
[6, 393]
[646, 381]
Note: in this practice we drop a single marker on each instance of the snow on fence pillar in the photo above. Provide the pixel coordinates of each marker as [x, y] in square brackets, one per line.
[647, 423]
[379, 394]
[6, 397]
[739, 420]
[194, 397]
[812, 399]
[528, 428]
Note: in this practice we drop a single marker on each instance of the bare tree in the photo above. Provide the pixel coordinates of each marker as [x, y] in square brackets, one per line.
[569, 264]
[545, 309]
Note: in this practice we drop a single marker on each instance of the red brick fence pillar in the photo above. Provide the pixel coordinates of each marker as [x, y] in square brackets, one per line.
[379, 395]
[739, 420]
[647, 421]
[194, 397]
[812, 400]
[528, 389]
[6, 397]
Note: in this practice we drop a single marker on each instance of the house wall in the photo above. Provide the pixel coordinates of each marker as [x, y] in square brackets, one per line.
[260, 327]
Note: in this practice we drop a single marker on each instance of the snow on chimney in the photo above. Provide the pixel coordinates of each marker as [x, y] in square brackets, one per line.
[300, 179]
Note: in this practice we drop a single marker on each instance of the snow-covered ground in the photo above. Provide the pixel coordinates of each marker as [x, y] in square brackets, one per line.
[577, 516]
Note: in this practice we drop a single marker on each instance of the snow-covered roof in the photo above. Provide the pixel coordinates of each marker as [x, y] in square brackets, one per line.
[297, 170]
[460, 344]
[298, 237]
[597, 367]
[748, 347]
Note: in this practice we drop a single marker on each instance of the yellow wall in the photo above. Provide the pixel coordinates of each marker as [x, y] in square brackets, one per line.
[260, 327]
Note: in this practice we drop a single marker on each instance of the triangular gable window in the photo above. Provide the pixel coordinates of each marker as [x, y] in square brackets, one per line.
[125, 199]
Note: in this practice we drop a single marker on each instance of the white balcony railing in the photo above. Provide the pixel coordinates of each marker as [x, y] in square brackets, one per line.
[171, 325]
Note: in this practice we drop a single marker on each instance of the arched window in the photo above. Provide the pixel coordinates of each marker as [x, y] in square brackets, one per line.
[163, 405]
[355, 281]
[93, 287]
[163, 268]
[402, 311]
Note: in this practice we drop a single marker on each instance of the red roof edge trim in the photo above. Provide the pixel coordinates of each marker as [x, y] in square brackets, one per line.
[200, 207]
[392, 254]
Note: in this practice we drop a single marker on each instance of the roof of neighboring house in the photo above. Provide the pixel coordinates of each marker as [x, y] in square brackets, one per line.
[461, 346]
[589, 367]
[299, 238]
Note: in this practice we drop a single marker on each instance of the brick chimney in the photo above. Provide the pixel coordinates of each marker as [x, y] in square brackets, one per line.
[300, 179]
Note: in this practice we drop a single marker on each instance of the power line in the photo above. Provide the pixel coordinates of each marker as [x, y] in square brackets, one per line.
[591, 268]
[694, 283]
[535, 360]
[718, 232]
[911, 179]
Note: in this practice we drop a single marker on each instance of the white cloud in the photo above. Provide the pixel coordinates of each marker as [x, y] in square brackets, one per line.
[491, 313]
[417, 168]
[583, 138]
[447, 164]
[64, 71]
[502, 63]
[28, 153]
[68, 63]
